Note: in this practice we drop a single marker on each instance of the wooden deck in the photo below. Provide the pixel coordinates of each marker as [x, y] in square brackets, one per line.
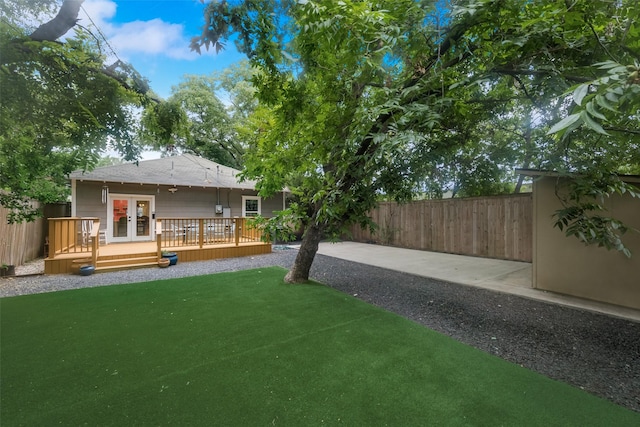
[75, 241]
[118, 256]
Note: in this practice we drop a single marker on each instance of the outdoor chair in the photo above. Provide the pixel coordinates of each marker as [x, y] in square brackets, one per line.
[178, 233]
[102, 236]
[86, 226]
[218, 232]
[191, 233]
[84, 234]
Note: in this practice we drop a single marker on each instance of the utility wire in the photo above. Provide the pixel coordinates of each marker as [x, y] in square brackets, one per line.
[101, 34]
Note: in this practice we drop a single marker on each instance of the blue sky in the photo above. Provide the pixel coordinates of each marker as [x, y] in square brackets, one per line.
[154, 35]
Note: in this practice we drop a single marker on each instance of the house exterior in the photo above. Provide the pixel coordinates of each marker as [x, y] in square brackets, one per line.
[128, 198]
[565, 265]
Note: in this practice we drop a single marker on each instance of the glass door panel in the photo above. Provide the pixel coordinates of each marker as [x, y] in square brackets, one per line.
[131, 218]
[120, 218]
[142, 218]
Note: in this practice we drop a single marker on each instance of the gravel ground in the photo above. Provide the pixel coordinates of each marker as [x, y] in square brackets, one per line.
[598, 353]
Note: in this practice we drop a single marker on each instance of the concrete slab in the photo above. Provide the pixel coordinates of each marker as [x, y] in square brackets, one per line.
[499, 275]
[454, 268]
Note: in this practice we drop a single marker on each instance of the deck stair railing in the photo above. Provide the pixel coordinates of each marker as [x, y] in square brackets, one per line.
[74, 236]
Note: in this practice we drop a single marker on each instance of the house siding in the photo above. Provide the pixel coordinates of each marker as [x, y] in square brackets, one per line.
[184, 203]
[90, 195]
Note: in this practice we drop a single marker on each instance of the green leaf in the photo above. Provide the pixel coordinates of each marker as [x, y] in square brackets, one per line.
[579, 93]
[564, 123]
[602, 102]
[606, 65]
[592, 124]
[591, 109]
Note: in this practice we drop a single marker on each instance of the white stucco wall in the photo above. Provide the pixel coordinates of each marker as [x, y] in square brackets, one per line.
[565, 265]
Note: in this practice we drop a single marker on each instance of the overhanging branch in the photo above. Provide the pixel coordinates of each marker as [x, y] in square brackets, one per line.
[544, 73]
[622, 130]
[65, 20]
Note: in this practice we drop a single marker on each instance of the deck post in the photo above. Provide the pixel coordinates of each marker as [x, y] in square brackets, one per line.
[201, 232]
[239, 225]
[159, 238]
[95, 242]
[52, 238]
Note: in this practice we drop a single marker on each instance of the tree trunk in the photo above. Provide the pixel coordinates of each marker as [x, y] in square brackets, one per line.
[299, 273]
[528, 147]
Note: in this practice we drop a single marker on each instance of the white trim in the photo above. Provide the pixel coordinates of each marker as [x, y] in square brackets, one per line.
[244, 204]
[131, 229]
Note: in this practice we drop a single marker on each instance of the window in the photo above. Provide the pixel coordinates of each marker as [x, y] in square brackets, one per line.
[251, 206]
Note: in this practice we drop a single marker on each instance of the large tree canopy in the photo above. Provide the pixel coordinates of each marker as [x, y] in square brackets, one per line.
[194, 119]
[372, 97]
[59, 106]
[212, 134]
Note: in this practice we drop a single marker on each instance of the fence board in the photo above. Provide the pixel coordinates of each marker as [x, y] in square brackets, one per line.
[22, 242]
[492, 227]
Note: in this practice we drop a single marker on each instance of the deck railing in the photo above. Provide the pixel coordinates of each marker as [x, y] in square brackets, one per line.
[73, 236]
[181, 232]
[81, 235]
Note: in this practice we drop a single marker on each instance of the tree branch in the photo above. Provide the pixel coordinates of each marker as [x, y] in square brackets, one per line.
[595, 34]
[515, 72]
[65, 20]
[630, 131]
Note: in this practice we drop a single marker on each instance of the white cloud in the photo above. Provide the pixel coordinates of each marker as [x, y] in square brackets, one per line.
[130, 39]
[151, 37]
[98, 10]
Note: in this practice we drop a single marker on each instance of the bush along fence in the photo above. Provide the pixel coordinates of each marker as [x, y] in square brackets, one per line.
[21, 242]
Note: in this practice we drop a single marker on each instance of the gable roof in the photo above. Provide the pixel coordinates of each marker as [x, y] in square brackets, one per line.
[183, 170]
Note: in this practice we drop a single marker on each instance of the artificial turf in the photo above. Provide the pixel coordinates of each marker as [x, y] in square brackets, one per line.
[245, 349]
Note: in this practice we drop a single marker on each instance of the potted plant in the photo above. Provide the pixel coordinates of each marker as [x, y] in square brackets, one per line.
[164, 262]
[87, 270]
[171, 256]
[7, 270]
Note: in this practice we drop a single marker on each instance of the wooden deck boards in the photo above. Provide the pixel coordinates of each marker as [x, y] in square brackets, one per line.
[127, 252]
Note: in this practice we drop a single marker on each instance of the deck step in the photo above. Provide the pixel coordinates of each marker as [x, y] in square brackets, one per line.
[104, 269]
[127, 261]
[140, 261]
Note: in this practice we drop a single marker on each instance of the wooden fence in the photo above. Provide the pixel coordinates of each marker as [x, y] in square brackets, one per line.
[22, 242]
[492, 227]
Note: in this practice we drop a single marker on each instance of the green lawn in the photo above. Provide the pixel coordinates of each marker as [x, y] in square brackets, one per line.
[246, 349]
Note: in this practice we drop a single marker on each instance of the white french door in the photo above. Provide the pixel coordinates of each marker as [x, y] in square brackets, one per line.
[130, 218]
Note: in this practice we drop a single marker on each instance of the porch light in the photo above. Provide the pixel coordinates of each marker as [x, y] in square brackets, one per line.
[105, 193]
[172, 190]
